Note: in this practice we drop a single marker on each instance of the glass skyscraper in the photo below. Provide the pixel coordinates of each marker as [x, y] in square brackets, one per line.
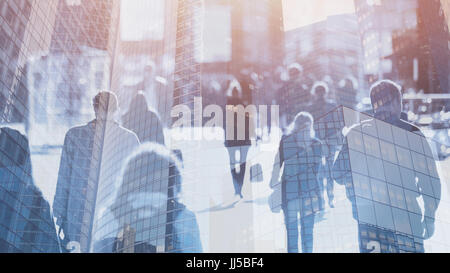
[384, 169]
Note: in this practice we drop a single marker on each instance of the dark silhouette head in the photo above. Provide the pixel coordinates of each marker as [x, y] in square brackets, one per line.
[138, 103]
[105, 105]
[320, 90]
[234, 88]
[295, 71]
[386, 98]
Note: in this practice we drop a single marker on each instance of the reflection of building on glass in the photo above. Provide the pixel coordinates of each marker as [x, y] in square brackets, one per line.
[25, 216]
[18, 22]
[65, 75]
[88, 23]
[46, 45]
[144, 54]
[301, 157]
[384, 170]
[146, 210]
[138, 114]
[86, 148]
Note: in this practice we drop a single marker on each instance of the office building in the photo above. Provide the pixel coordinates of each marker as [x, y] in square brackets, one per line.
[327, 51]
[407, 41]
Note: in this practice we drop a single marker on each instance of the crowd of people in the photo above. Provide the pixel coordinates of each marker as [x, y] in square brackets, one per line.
[115, 149]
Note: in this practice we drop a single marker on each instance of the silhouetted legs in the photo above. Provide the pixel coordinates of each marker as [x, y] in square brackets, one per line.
[291, 219]
[238, 158]
[307, 230]
[291, 211]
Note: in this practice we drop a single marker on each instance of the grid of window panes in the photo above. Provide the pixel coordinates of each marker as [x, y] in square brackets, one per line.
[187, 75]
[14, 17]
[46, 89]
[139, 203]
[117, 144]
[87, 22]
[384, 169]
[76, 188]
[144, 214]
[26, 223]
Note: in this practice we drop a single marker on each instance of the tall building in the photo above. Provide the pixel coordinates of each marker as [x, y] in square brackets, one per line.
[63, 75]
[145, 54]
[327, 51]
[434, 38]
[218, 40]
[384, 170]
[27, 223]
[143, 63]
[84, 23]
[403, 39]
[15, 16]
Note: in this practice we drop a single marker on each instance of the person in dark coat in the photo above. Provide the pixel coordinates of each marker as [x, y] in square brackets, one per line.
[416, 180]
[100, 143]
[237, 148]
[145, 123]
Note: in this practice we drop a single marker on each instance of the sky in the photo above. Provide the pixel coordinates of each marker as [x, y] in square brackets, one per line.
[142, 19]
[298, 13]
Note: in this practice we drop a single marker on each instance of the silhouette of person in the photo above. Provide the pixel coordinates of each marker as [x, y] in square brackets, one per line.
[101, 141]
[25, 215]
[145, 201]
[295, 94]
[237, 149]
[144, 122]
[347, 92]
[321, 105]
[386, 101]
[302, 180]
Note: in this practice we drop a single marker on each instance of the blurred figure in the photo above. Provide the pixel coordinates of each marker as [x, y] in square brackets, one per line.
[295, 96]
[386, 98]
[101, 141]
[320, 104]
[347, 92]
[142, 121]
[151, 201]
[237, 149]
[302, 193]
[26, 222]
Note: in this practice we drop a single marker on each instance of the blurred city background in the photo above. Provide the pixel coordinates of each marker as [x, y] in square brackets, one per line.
[56, 55]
